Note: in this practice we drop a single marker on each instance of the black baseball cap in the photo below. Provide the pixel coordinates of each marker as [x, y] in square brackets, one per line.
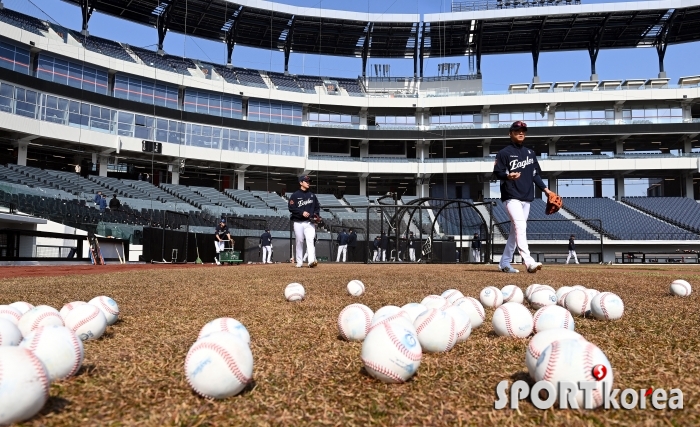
[223, 220]
[304, 178]
[518, 125]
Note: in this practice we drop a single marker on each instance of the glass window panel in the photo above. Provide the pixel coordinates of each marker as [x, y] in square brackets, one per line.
[627, 114]
[609, 115]
[585, 114]
[637, 113]
[411, 120]
[531, 116]
[324, 117]
[503, 118]
[664, 112]
[571, 115]
[676, 112]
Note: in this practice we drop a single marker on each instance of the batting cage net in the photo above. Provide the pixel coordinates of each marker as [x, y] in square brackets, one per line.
[172, 238]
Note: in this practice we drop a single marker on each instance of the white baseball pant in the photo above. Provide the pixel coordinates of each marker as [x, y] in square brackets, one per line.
[476, 254]
[383, 254]
[569, 257]
[518, 211]
[342, 249]
[267, 254]
[412, 254]
[220, 245]
[375, 258]
[305, 231]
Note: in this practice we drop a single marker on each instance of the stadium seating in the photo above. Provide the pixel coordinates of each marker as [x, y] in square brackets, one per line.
[284, 82]
[272, 200]
[309, 83]
[679, 211]
[25, 22]
[619, 221]
[248, 77]
[541, 230]
[449, 219]
[352, 86]
[103, 46]
[171, 63]
[246, 199]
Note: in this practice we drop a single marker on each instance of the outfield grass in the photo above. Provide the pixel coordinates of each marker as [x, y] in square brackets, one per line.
[305, 375]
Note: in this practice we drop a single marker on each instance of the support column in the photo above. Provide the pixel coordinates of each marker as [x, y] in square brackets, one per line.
[619, 147]
[619, 187]
[688, 184]
[486, 148]
[174, 170]
[487, 188]
[240, 177]
[687, 145]
[364, 148]
[486, 116]
[22, 153]
[423, 185]
[553, 184]
[363, 185]
[552, 148]
[363, 118]
[103, 161]
[598, 188]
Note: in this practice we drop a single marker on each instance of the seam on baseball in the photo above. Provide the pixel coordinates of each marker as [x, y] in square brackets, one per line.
[426, 321]
[382, 370]
[78, 361]
[10, 312]
[602, 306]
[588, 369]
[86, 320]
[552, 362]
[41, 317]
[228, 359]
[509, 327]
[41, 372]
[399, 345]
[476, 307]
[107, 307]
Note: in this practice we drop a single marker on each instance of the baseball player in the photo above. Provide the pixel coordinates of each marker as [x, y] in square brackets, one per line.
[411, 247]
[222, 235]
[517, 168]
[352, 244]
[383, 245]
[375, 258]
[572, 249]
[476, 248]
[305, 209]
[343, 238]
[266, 243]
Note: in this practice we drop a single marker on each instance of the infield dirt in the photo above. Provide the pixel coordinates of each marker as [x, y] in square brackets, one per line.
[305, 375]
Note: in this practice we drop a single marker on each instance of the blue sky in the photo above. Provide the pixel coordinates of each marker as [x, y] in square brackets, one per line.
[498, 70]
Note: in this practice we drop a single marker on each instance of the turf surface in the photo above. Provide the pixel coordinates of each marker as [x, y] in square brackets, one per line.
[305, 375]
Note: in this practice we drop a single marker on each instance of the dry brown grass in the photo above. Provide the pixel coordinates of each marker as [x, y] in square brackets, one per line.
[304, 375]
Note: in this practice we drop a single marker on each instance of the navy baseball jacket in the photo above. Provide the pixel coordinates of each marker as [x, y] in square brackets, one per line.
[303, 201]
[411, 241]
[343, 238]
[265, 239]
[518, 158]
[572, 245]
[352, 239]
[476, 244]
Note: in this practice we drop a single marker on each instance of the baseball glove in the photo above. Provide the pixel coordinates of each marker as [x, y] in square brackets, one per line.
[554, 203]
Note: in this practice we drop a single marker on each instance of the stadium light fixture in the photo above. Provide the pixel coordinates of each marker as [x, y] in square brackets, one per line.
[656, 142]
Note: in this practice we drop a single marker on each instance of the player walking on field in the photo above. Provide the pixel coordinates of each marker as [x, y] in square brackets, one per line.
[572, 249]
[305, 210]
[517, 168]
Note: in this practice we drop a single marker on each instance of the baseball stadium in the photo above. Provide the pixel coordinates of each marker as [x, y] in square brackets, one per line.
[166, 179]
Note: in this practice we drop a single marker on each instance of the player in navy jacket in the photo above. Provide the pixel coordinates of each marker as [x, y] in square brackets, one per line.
[517, 168]
[343, 238]
[305, 209]
[266, 244]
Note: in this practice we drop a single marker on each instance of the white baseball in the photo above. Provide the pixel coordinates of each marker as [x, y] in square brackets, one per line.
[583, 288]
[542, 297]
[435, 301]
[391, 352]
[108, 307]
[452, 295]
[413, 309]
[22, 306]
[553, 317]
[578, 303]
[356, 288]
[389, 313]
[681, 288]
[225, 324]
[474, 309]
[512, 320]
[572, 360]
[529, 289]
[68, 307]
[24, 385]
[87, 322]
[561, 292]
[436, 331]
[294, 292]
[491, 297]
[354, 322]
[10, 313]
[607, 306]
[592, 293]
[9, 333]
[463, 324]
[219, 365]
[41, 315]
[58, 348]
[512, 293]
[542, 340]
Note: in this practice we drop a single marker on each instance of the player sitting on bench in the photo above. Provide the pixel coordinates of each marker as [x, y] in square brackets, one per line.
[222, 235]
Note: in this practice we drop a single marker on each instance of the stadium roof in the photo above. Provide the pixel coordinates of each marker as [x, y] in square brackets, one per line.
[269, 25]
